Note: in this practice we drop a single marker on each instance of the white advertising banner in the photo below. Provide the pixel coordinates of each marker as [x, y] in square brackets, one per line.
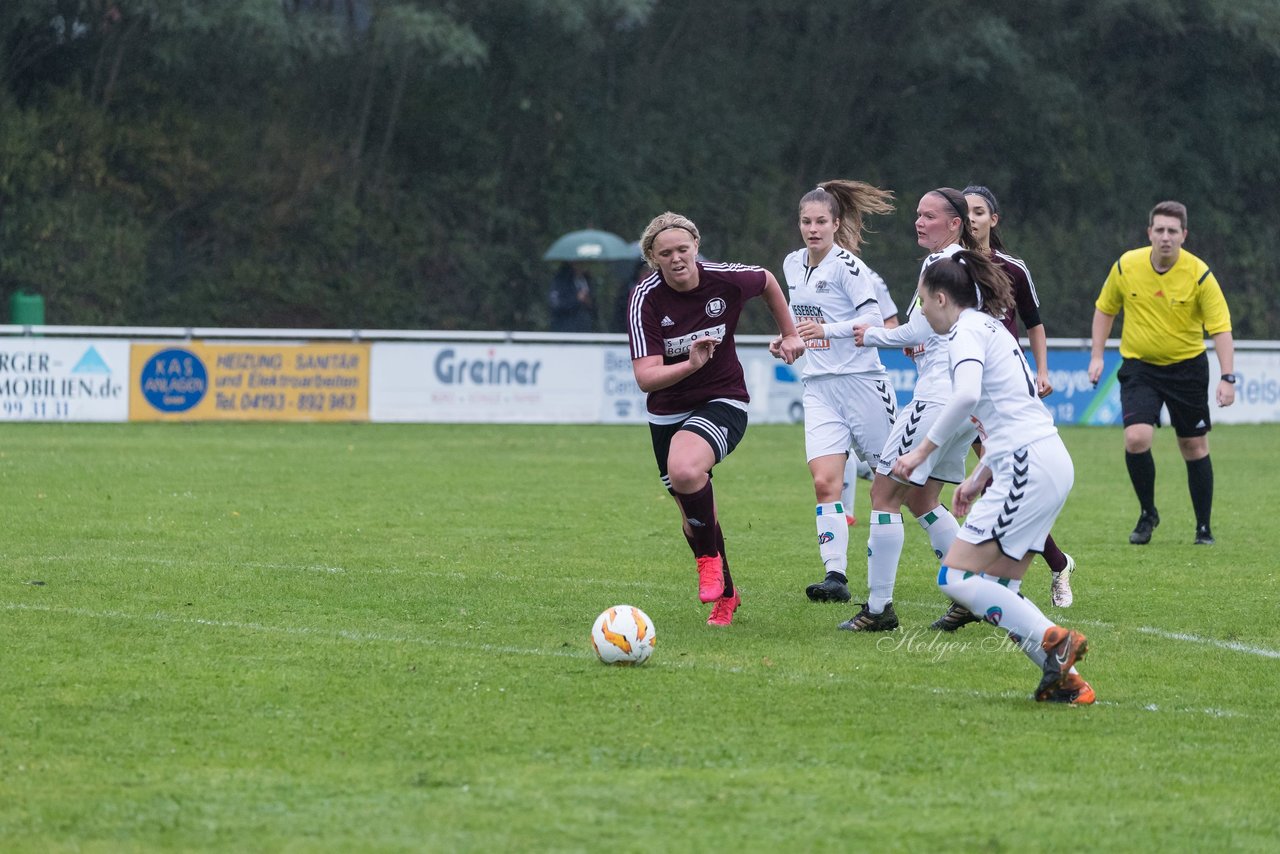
[539, 384]
[63, 379]
[1257, 388]
[485, 383]
[621, 400]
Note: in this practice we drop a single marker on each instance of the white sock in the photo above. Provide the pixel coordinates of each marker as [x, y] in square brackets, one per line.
[833, 538]
[884, 549]
[848, 490]
[941, 527]
[992, 601]
[1031, 650]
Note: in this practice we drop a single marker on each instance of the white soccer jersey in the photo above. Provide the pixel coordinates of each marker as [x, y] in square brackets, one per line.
[1008, 414]
[833, 293]
[927, 348]
[888, 308]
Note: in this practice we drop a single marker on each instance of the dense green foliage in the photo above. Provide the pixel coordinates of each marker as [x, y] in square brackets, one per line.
[266, 637]
[404, 163]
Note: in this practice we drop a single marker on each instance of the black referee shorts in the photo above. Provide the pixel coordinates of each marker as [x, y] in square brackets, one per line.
[722, 425]
[1183, 387]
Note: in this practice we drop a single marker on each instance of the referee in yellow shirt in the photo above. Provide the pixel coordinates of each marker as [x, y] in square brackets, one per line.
[1170, 299]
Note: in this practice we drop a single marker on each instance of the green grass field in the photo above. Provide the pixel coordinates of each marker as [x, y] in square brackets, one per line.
[375, 638]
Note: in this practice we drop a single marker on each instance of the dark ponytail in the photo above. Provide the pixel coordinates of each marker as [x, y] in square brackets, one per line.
[971, 280]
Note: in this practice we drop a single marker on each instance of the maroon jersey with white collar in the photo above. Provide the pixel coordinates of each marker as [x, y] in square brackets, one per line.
[662, 321]
[1026, 303]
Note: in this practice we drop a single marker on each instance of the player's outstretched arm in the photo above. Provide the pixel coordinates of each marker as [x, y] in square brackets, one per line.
[791, 347]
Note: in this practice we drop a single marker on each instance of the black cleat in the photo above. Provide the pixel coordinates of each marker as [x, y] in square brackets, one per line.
[1073, 691]
[955, 616]
[1147, 523]
[1203, 537]
[833, 588]
[865, 621]
[1063, 648]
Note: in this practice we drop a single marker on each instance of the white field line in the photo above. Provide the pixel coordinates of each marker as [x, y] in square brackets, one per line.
[373, 637]
[1221, 644]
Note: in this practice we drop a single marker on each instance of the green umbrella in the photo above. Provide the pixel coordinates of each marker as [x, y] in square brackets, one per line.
[590, 245]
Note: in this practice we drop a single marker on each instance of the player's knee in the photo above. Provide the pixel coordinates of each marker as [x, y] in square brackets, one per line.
[885, 495]
[1137, 444]
[1193, 447]
[827, 489]
[686, 475]
[1138, 437]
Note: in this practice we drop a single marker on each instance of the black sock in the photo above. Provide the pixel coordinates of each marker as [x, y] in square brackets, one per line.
[1142, 471]
[700, 511]
[1200, 482]
[724, 556]
[1053, 555]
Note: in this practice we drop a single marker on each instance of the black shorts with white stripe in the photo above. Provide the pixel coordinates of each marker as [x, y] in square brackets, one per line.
[722, 425]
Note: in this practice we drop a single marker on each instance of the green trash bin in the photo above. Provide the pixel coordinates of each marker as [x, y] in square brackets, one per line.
[26, 309]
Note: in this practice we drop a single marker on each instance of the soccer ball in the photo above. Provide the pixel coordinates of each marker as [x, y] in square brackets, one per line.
[623, 635]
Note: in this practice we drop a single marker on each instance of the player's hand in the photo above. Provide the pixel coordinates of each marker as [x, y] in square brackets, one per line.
[1095, 370]
[810, 330]
[859, 330]
[775, 347]
[702, 351]
[964, 496]
[1044, 388]
[904, 465]
[790, 348]
[1226, 393]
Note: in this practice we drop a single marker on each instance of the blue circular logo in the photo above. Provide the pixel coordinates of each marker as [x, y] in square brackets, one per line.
[174, 380]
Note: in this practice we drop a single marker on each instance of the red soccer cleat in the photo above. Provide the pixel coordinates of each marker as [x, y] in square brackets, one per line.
[722, 611]
[710, 578]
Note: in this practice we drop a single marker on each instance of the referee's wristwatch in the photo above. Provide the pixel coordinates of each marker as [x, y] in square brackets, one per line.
[1229, 378]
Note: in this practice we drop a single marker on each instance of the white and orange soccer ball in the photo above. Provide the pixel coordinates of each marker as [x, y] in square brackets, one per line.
[623, 635]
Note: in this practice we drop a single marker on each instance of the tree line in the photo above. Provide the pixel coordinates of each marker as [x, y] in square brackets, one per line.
[405, 163]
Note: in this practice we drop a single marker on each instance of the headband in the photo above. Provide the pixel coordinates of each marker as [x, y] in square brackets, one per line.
[648, 246]
[978, 190]
[963, 216]
[683, 228]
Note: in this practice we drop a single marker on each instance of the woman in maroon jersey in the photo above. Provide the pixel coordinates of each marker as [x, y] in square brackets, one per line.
[984, 219]
[681, 322]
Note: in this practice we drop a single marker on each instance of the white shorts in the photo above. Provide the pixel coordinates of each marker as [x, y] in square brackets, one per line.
[946, 463]
[848, 411]
[1028, 490]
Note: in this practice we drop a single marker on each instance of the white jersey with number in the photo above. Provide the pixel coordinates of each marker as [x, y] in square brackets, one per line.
[1009, 414]
[927, 348]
